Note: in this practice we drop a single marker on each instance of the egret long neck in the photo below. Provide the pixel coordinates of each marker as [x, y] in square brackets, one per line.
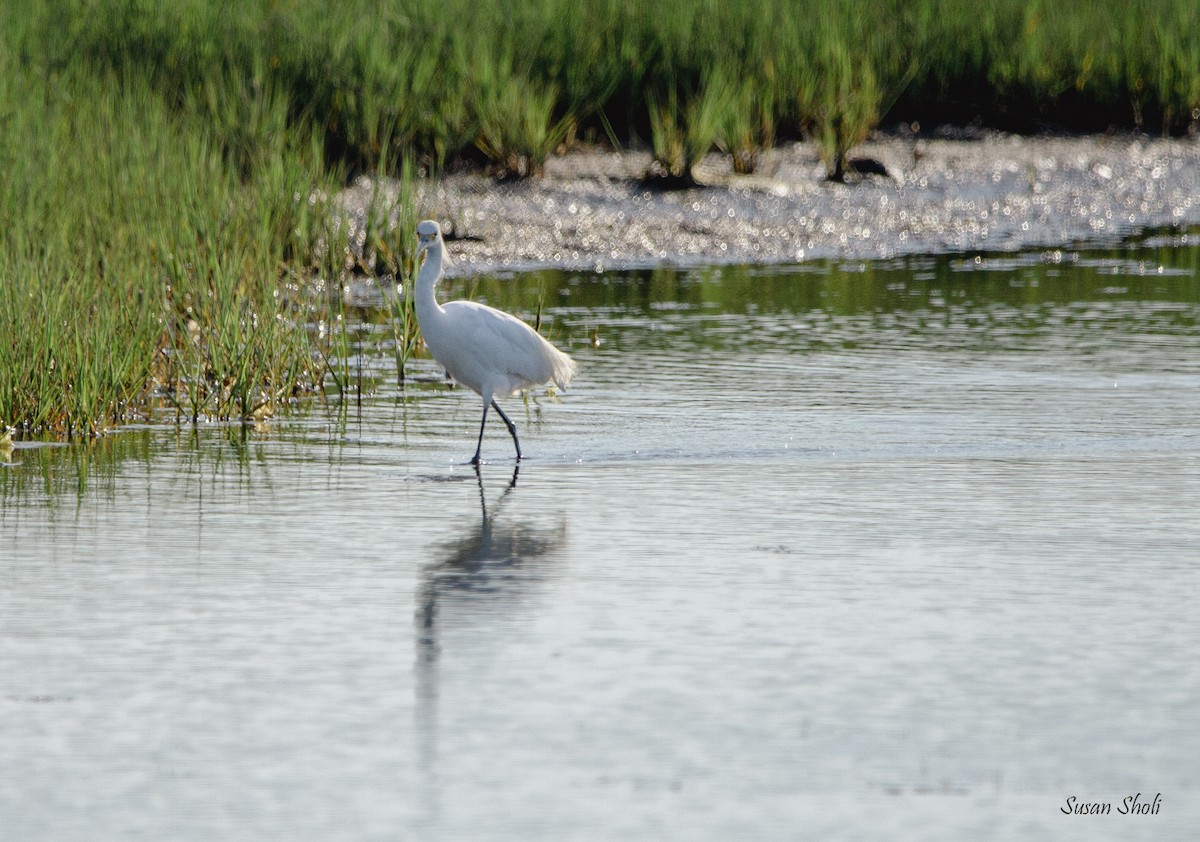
[431, 270]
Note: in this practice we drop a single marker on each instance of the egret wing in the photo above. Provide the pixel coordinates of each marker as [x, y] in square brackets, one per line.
[500, 343]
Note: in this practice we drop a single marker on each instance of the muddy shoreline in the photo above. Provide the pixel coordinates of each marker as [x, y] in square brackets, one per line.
[987, 192]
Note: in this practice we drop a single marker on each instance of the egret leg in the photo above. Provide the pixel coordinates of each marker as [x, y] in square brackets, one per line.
[512, 428]
[483, 423]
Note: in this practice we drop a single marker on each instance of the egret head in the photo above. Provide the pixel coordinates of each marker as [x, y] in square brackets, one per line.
[428, 233]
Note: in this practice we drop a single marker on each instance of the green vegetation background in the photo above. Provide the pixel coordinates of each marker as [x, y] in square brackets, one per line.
[167, 166]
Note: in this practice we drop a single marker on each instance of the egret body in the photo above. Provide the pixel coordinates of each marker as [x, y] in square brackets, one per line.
[487, 350]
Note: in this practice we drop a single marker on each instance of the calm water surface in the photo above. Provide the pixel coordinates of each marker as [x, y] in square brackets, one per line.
[902, 551]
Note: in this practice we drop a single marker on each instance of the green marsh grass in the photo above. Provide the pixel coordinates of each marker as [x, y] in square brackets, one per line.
[390, 231]
[748, 127]
[167, 166]
[517, 129]
[440, 81]
[145, 262]
[676, 144]
[684, 128]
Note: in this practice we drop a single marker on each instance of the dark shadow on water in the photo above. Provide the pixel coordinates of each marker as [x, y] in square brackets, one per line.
[479, 582]
[488, 570]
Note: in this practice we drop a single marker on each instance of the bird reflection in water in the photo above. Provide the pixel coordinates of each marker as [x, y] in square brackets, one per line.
[492, 563]
[477, 587]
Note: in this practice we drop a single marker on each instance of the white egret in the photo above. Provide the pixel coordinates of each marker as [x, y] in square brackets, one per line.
[485, 349]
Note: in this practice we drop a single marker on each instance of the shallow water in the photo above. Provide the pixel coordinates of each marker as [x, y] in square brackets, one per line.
[902, 550]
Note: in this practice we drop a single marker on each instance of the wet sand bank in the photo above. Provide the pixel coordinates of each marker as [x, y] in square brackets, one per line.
[990, 192]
